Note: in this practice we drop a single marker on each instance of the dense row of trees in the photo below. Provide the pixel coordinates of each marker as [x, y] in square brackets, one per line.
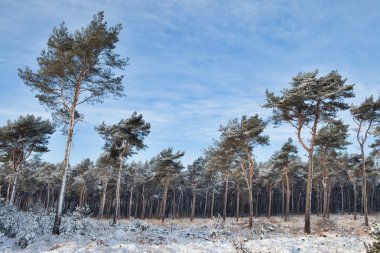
[78, 68]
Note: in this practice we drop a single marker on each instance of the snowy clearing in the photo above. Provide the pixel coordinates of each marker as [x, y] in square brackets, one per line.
[339, 234]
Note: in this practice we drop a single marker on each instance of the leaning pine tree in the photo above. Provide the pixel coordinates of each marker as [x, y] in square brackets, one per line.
[122, 140]
[367, 118]
[305, 104]
[76, 69]
[242, 137]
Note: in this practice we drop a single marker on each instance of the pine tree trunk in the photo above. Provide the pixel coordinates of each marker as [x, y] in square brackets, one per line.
[14, 188]
[173, 204]
[164, 198]
[117, 190]
[364, 186]
[355, 200]
[257, 204]
[131, 202]
[136, 205]
[309, 184]
[58, 215]
[48, 197]
[225, 199]
[318, 200]
[328, 199]
[193, 203]
[341, 191]
[237, 200]
[8, 193]
[206, 201]
[269, 200]
[143, 202]
[212, 201]
[179, 208]
[349, 199]
[283, 198]
[250, 198]
[373, 198]
[287, 208]
[325, 197]
[292, 199]
[299, 203]
[103, 199]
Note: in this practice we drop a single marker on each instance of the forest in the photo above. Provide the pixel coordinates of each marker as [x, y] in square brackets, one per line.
[226, 182]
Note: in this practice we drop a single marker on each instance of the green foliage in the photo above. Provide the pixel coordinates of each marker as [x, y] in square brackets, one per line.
[245, 134]
[196, 170]
[24, 136]
[77, 67]
[310, 97]
[168, 164]
[333, 135]
[368, 110]
[128, 133]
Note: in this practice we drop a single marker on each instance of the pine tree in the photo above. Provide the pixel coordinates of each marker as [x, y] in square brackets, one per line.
[22, 138]
[330, 138]
[286, 161]
[122, 140]
[195, 174]
[309, 101]
[367, 117]
[76, 69]
[242, 137]
[167, 165]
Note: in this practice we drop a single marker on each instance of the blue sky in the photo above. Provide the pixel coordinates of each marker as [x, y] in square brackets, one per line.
[195, 64]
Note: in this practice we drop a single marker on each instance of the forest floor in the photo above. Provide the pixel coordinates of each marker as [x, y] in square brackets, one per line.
[339, 234]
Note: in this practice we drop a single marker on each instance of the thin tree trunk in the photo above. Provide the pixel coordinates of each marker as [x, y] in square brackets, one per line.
[206, 201]
[103, 200]
[349, 199]
[372, 198]
[328, 199]
[173, 203]
[237, 200]
[355, 200]
[212, 201]
[225, 199]
[193, 203]
[269, 200]
[164, 198]
[292, 199]
[257, 203]
[143, 202]
[287, 208]
[8, 193]
[14, 187]
[48, 197]
[325, 197]
[341, 191]
[130, 201]
[364, 187]
[117, 190]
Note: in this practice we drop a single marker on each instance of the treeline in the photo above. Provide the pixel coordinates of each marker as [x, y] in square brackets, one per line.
[79, 68]
[94, 184]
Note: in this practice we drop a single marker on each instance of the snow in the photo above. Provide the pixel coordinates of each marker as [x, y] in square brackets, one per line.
[339, 234]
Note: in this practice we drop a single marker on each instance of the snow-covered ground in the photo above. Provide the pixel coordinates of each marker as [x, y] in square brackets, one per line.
[339, 234]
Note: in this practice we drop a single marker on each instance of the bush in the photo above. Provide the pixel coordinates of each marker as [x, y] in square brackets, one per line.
[23, 226]
[374, 231]
[77, 223]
